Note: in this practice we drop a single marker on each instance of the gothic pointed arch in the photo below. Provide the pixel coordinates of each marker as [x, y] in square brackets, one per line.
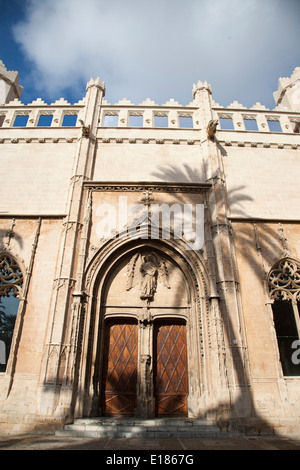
[173, 245]
[11, 285]
[120, 262]
[284, 280]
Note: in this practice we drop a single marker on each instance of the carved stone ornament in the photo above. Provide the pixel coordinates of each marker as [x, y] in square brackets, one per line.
[85, 131]
[212, 128]
[284, 280]
[146, 270]
[11, 277]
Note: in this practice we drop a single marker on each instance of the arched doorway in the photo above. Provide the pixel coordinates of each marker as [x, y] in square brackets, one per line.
[143, 339]
[144, 366]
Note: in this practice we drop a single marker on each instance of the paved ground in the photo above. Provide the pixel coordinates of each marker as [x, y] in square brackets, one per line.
[52, 442]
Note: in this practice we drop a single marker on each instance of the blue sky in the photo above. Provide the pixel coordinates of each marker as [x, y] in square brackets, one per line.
[156, 49]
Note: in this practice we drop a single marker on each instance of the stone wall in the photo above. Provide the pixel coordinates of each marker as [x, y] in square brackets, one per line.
[55, 177]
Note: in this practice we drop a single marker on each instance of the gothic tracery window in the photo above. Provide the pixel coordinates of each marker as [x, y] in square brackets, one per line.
[284, 289]
[11, 283]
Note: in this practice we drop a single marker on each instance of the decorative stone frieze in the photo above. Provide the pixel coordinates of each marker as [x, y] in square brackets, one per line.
[257, 144]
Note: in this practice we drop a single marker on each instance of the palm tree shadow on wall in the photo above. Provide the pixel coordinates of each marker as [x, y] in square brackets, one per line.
[236, 197]
[5, 234]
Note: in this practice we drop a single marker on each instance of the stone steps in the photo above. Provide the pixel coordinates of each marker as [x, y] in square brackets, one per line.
[141, 428]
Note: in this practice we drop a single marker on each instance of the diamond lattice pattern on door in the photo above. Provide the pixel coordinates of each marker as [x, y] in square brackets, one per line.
[171, 384]
[120, 373]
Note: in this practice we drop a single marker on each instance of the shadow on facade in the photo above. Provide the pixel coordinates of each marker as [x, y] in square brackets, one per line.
[239, 410]
[240, 413]
[8, 234]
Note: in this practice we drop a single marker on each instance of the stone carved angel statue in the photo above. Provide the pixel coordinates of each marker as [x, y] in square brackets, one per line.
[147, 270]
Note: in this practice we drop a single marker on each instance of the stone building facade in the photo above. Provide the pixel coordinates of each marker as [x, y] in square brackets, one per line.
[121, 309]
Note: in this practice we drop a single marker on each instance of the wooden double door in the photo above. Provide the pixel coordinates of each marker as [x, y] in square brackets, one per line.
[169, 371]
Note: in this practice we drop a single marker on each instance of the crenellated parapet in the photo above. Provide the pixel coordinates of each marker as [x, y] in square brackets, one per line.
[149, 117]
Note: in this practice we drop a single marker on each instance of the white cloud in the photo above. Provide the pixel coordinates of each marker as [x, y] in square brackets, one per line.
[158, 49]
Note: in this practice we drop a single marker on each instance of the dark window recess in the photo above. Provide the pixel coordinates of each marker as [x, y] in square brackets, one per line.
[287, 334]
[8, 313]
[11, 282]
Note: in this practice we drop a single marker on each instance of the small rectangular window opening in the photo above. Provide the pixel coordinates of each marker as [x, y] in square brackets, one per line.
[226, 124]
[45, 120]
[135, 121]
[111, 121]
[251, 125]
[161, 121]
[20, 121]
[186, 122]
[2, 118]
[274, 126]
[69, 120]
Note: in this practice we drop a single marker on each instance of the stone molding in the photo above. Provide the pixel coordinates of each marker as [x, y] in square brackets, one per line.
[39, 140]
[273, 145]
[153, 140]
[151, 186]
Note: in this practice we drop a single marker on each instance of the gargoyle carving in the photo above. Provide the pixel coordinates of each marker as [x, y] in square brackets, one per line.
[212, 128]
[84, 129]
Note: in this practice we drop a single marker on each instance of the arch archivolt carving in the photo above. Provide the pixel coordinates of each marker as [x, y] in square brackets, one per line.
[11, 285]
